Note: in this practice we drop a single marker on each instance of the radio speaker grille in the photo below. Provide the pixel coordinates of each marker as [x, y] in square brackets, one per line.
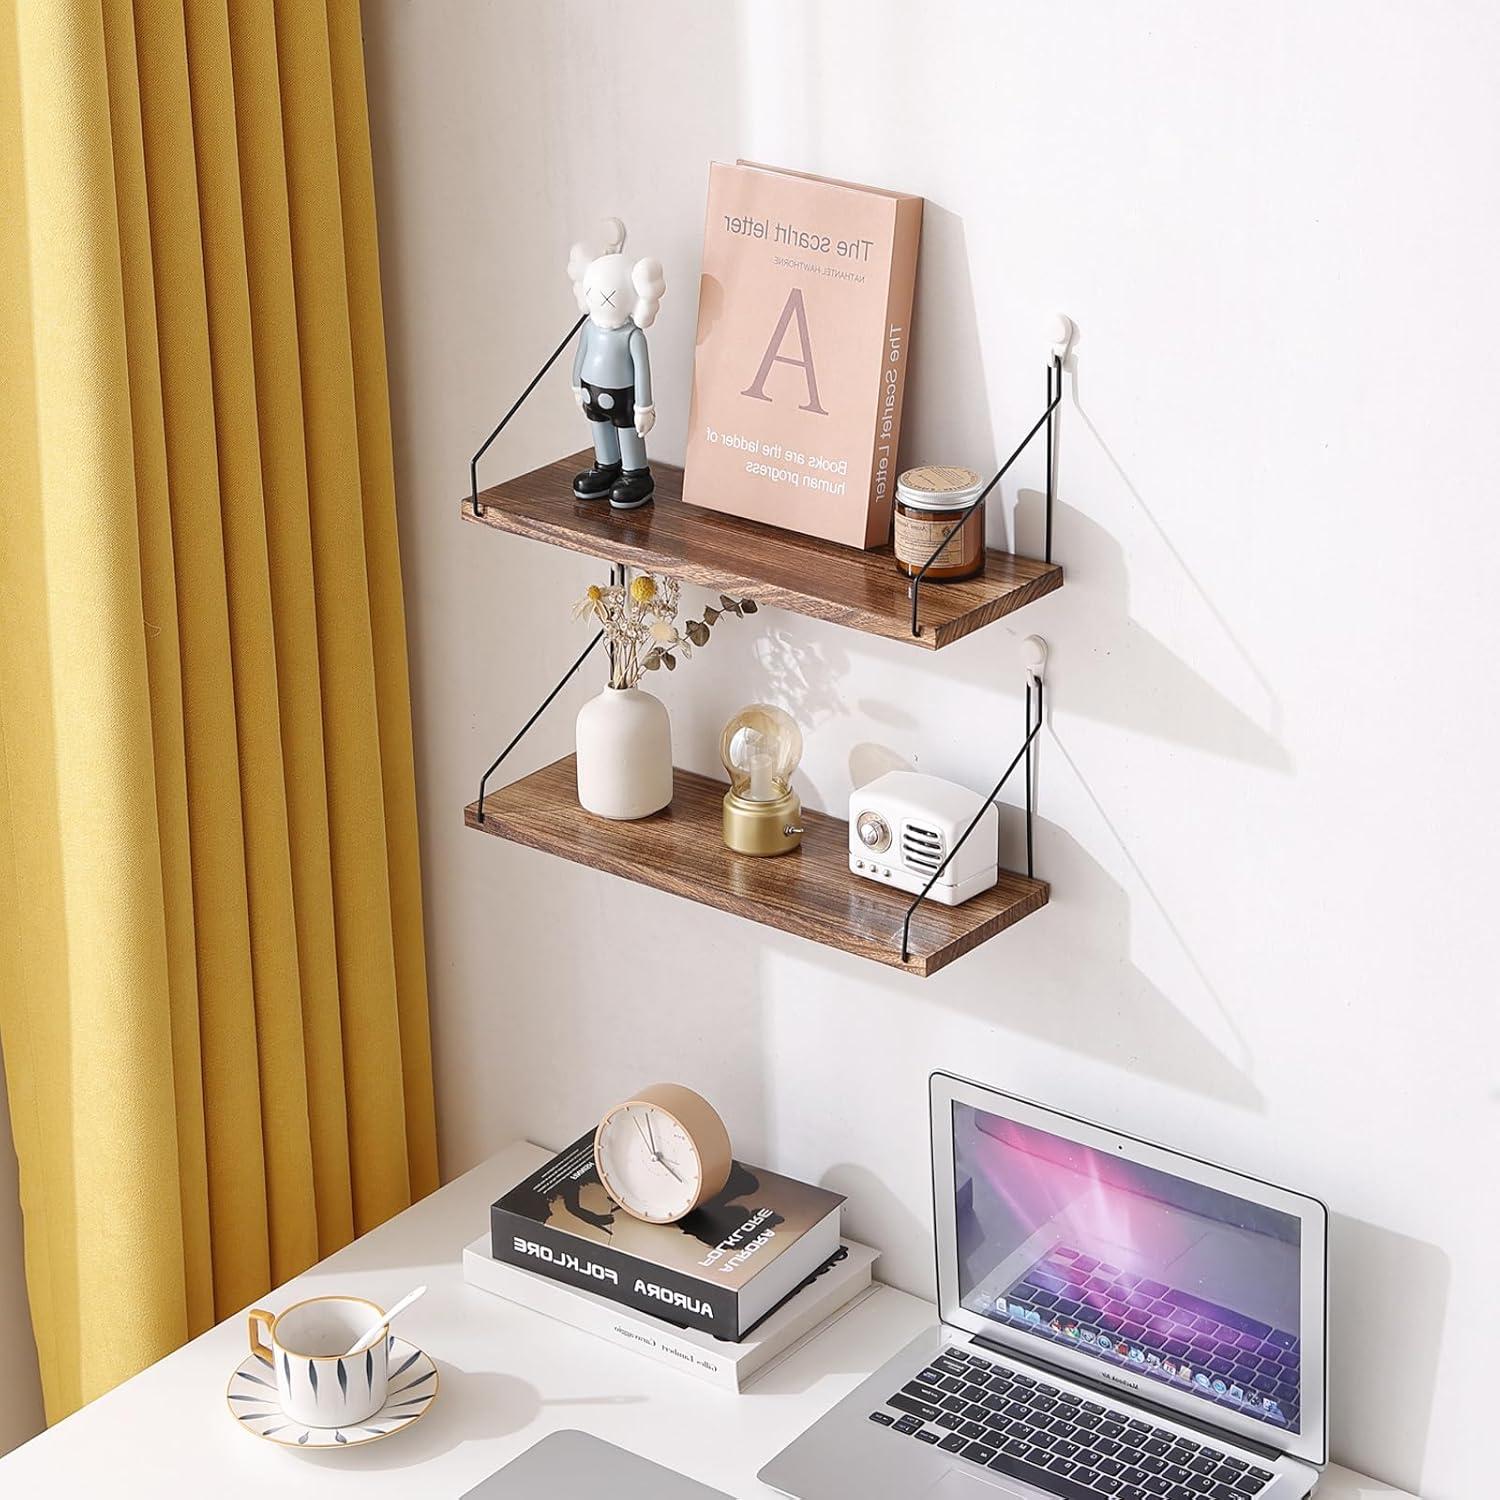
[921, 848]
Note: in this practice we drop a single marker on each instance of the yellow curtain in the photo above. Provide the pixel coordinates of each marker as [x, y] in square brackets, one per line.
[213, 1007]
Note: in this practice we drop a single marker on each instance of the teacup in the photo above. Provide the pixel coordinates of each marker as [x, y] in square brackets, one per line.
[320, 1385]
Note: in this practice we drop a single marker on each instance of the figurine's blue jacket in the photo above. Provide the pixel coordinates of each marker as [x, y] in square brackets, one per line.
[614, 359]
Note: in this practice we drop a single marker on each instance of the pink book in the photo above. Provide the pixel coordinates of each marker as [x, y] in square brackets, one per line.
[804, 328]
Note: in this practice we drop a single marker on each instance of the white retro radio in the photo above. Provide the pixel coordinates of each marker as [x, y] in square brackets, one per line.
[904, 824]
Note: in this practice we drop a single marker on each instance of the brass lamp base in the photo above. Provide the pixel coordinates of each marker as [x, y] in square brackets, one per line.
[762, 827]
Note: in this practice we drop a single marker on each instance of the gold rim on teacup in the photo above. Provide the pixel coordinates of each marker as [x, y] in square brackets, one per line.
[259, 1315]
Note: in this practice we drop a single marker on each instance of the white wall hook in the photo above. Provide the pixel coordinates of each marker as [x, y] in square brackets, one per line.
[1034, 656]
[1060, 334]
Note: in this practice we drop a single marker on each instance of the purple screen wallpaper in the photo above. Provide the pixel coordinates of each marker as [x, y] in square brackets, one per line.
[1195, 1288]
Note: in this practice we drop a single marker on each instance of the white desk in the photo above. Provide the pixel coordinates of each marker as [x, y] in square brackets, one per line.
[508, 1377]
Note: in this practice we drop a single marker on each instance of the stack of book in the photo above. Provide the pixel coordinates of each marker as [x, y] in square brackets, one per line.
[719, 1294]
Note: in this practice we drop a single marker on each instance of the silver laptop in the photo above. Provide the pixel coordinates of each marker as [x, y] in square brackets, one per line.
[1118, 1322]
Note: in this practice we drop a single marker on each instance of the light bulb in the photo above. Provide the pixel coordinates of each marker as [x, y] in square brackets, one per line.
[761, 747]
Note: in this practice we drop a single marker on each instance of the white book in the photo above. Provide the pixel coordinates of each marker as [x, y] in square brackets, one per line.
[726, 1365]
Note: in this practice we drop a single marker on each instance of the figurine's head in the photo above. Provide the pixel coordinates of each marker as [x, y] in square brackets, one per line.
[611, 290]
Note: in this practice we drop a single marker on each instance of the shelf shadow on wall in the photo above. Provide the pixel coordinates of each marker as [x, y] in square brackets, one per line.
[802, 674]
[947, 400]
[1149, 889]
[1065, 977]
[1132, 679]
[1273, 701]
[1388, 1298]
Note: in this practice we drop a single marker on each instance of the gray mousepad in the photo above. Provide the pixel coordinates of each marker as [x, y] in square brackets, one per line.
[573, 1465]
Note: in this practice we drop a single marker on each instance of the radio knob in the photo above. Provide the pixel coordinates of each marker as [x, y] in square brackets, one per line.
[874, 831]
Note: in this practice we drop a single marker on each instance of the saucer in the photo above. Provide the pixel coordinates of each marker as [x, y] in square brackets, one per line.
[256, 1406]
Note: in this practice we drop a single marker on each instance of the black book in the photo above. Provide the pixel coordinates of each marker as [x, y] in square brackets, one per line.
[721, 1269]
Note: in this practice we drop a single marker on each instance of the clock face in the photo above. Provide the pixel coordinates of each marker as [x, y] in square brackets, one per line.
[648, 1163]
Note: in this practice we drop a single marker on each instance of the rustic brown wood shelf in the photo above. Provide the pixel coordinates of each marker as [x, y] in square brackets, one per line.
[863, 590]
[810, 892]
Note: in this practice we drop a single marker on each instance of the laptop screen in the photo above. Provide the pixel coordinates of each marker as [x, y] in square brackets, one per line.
[1134, 1267]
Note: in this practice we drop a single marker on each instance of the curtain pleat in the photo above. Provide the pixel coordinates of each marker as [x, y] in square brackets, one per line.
[387, 607]
[213, 1003]
[221, 902]
[85, 861]
[283, 456]
[364, 942]
[278, 1011]
[164, 662]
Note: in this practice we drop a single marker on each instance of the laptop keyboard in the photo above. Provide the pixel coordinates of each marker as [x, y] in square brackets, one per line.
[1020, 1426]
[1159, 1331]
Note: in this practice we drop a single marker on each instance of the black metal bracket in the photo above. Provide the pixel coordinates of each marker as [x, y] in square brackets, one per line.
[500, 426]
[521, 732]
[1054, 396]
[478, 509]
[1033, 728]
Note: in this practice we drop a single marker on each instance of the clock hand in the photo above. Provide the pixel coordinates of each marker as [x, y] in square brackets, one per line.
[649, 1136]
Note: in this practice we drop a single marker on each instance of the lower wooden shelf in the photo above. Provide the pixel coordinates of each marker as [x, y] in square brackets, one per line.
[810, 892]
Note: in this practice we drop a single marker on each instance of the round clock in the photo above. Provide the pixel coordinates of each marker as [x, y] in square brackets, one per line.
[662, 1153]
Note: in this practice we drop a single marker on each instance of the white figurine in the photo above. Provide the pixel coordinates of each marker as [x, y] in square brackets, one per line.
[612, 370]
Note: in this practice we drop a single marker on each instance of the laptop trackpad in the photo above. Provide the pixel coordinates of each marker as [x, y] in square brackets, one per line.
[957, 1485]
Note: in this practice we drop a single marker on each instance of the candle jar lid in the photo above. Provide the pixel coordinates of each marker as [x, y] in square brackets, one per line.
[938, 487]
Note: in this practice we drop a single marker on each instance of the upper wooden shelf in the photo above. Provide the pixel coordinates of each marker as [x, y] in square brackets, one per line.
[810, 892]
[863, 590]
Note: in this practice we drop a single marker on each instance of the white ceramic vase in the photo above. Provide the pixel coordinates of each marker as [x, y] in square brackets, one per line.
[624, 754]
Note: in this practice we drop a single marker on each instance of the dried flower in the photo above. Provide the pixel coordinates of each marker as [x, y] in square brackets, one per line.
[637, 623]
[590, 604]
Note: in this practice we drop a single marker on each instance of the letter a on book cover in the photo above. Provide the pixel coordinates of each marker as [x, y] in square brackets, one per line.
[804, 333]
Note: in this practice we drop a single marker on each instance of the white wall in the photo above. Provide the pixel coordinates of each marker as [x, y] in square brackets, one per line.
[1266, 793]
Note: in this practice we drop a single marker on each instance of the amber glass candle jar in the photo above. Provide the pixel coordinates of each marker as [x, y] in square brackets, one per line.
[929, 502]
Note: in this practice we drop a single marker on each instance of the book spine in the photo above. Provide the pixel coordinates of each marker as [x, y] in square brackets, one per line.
[607, 1272]
[906, 229]
[615, 1325]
